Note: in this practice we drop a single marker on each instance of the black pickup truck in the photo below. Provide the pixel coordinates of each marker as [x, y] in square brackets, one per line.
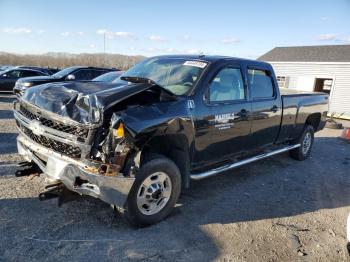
[171, 119]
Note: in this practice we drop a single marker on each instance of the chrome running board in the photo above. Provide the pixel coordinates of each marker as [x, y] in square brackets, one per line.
[215, 171]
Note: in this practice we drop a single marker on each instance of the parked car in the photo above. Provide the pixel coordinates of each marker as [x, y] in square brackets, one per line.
[68, 74]
[46, 70]
[136, 145]
[9, 77]
[5, 67]
[108, 77]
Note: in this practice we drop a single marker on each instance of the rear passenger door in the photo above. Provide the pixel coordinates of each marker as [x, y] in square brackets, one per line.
[222, 123]
[266, 106]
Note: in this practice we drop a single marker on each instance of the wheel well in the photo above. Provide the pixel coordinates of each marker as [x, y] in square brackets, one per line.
[314, 120]
[176, 148]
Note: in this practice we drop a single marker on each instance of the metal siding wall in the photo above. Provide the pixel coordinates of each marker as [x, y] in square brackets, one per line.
[340, 95]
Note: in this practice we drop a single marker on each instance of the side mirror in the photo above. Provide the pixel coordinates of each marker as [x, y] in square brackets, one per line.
[4, 76]
[70, 77]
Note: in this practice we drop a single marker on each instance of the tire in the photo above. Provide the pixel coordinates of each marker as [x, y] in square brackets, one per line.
[306, 140]
[155, 192]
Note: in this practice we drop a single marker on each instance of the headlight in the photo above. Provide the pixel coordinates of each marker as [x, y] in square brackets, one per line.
[117, 127]
[119, 132]
[27, 84]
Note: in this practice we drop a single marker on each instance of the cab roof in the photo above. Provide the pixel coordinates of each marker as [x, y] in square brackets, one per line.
[210, 58]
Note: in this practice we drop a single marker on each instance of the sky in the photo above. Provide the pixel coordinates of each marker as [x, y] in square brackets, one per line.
[152, 27]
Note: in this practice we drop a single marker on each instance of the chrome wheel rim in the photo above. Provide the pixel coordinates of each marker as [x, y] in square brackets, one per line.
[154, 193]
[306, 143]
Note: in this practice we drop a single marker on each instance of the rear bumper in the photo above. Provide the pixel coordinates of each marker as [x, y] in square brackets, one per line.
[76, 175]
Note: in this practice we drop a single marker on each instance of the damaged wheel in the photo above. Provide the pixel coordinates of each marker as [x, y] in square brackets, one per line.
[155, 192]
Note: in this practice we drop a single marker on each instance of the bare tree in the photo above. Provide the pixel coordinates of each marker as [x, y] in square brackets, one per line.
[62, 60]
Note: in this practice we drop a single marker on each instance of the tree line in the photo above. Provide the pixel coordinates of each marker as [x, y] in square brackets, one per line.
[62, 60]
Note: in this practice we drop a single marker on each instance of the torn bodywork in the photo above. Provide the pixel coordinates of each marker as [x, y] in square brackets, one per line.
[85, 135]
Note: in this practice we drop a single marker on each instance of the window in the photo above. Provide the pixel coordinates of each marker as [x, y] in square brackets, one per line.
[261, 84]
[97, 72]
[15, 74]
[323, 85]
[327, 84]
[227, 86]
[282, 81]
[177, 75]
[83, 74]
[30, 73]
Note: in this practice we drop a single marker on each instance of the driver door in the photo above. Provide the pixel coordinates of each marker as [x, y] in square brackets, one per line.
[222, 127]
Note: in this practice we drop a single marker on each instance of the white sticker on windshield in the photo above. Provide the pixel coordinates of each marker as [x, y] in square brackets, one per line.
[196, 64]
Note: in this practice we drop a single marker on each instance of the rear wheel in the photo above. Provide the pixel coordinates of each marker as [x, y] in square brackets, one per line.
[306, 141]
[155, 192]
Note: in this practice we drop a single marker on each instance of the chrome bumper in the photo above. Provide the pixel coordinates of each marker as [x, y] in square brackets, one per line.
[75, 175]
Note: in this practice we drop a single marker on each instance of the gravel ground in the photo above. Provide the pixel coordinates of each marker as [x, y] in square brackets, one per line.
[277, 209]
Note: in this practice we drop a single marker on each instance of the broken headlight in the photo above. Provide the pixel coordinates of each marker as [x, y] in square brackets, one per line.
[117, 127]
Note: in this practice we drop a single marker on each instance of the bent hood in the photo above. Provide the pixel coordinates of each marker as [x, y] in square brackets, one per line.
[83, 102]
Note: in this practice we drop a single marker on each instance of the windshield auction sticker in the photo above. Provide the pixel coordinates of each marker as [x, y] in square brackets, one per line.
[195, 63]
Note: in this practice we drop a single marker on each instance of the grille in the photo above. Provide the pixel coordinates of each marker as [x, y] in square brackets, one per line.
[57, 146]
[77, 131]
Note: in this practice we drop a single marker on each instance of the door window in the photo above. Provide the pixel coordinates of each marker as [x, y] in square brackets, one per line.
[261, 83]
[96, 73]
[15, 74]
[227, 85]
[30, 73]
[83, 74]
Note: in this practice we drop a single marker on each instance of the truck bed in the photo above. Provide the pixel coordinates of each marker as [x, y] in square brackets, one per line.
[294, 92]
[297, 106]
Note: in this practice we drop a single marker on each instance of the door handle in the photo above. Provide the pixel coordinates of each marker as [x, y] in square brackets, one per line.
[243, 113]
[274, 108]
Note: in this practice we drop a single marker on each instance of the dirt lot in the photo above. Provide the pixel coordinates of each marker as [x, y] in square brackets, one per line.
[277, 209]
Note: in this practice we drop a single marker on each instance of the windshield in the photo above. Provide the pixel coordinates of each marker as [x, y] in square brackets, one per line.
[64, 72]
[177, 75]
[108, 77]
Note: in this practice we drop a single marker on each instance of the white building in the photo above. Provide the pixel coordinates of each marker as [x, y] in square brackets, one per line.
[315, 68]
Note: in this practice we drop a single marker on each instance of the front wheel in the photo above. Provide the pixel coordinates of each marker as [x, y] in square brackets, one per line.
[306, 141]
[155, 192]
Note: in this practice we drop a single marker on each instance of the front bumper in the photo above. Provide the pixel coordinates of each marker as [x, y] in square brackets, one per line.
[76, 175]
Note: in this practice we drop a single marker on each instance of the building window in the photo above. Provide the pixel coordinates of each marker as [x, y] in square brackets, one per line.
[323, 85]
[282, 81]
[327, 84]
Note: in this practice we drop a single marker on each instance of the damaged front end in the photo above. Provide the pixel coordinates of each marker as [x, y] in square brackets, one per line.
[94, 157]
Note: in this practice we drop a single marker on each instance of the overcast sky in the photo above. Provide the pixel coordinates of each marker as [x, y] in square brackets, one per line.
[152, 27]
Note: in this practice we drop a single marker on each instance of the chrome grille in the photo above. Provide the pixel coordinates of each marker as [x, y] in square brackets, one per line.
[74, 130]
[65, 149]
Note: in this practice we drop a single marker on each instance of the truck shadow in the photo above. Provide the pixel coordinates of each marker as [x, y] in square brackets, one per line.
[273, 188]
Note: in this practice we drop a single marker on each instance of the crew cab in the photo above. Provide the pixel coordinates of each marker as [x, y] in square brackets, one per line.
[138, 142]
[78, 73]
